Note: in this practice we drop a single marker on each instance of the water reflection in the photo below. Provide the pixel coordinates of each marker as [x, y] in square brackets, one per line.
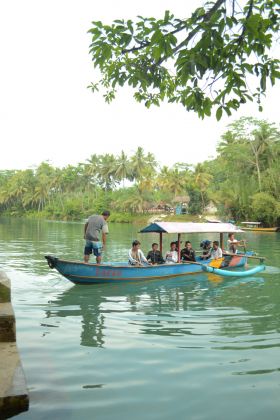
[185, 307]
[94, 303]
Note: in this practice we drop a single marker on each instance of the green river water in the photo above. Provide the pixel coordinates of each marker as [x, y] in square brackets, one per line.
[198, 348]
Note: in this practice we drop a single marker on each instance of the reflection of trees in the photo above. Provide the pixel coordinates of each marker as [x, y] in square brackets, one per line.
[259, 300]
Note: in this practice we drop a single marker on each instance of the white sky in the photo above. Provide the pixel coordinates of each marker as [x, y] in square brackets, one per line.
[46, 111]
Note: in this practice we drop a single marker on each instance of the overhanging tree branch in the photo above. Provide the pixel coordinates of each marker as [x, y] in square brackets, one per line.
[227, 51]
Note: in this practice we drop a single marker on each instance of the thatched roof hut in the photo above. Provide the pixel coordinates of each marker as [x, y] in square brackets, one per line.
[181, 199]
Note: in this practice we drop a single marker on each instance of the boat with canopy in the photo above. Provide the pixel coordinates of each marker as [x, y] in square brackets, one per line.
[89, 273]
[258, 227]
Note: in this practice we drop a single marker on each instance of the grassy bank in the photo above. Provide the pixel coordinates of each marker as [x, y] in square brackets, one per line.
[140, 219]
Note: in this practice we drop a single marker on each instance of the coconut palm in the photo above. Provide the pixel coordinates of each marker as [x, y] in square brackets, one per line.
[123, 168]
[201, 180]
[141, 163]
[172, 180]
[107, 171]
[92, 166]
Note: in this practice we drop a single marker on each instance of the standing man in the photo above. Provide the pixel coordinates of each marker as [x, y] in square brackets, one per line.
[93, 227]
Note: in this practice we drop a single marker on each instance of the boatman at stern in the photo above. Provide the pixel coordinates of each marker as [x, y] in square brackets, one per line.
[95, 225]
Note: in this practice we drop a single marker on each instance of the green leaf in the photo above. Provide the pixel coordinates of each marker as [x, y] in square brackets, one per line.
[219, 113]
[157, 37]
[156, 53]
[227, 109]
[263, 82]
[166, 16]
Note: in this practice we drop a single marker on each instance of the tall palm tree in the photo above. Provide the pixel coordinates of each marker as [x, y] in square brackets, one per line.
[42, 192]
[202, 180]
[138, 163]
[264, 136]
[123, 168]
[92, 167]
[250, 142]
[177, 182]
[172, 180]
[141, 163]
[162, 179]
[107, 171]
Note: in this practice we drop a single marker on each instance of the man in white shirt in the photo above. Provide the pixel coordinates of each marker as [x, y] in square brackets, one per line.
[216, 251]
[172, 255]
[136, 256]
[234, 243]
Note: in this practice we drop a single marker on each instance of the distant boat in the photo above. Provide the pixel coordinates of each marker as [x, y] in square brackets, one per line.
[213, 221]
[257, 227]
[84, 273]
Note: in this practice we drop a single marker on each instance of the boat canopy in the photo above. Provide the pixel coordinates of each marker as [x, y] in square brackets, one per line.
[190, 227]
[251, 223]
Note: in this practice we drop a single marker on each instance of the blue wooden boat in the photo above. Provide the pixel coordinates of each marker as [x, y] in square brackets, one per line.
[90, 273]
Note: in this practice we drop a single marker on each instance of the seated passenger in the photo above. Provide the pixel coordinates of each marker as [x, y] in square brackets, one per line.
[154, 256]
[135, 255]
[216, 251]
[172, 255]
[207, 248]
[187, 253]
[234, 243]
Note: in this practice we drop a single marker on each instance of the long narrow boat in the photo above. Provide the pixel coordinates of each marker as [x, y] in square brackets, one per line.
[85, 273]
[257, 227]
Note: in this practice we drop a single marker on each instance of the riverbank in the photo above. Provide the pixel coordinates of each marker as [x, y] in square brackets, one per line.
[136, 219]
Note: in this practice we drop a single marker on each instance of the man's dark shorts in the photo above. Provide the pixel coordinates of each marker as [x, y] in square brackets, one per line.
[93, 247]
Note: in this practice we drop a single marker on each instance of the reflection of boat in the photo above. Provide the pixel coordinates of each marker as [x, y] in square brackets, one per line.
[85, 273]
[257, 227]
[97, 307]
[93, 311]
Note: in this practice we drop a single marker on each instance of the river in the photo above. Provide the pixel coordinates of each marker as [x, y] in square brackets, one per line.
[198, 348]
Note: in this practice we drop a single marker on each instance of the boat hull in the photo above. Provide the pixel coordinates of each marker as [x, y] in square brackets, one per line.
[85, 273]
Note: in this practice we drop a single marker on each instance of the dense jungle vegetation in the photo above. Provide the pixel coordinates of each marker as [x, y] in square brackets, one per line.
[242, 182]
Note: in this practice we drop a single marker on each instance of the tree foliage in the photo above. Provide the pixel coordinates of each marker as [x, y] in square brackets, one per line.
[246, 169]
[265, 208]
[242, 181]
[218, 58]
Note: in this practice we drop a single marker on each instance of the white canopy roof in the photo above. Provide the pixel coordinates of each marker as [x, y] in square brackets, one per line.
[251, 223]
[178, 227]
